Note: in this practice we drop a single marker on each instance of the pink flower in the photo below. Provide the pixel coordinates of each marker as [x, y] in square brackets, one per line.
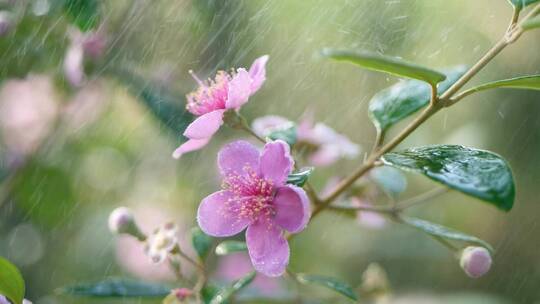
[368, 219]
[475, 261]
[329, 145]
[214, 97]
[255, 195]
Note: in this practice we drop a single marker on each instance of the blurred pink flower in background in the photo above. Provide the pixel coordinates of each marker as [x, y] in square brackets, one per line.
[368, 219]
[86, 106]
[329, 145]
[235, 266]
[28, 109]
[130, 253]
[213, 97]
[89, 45]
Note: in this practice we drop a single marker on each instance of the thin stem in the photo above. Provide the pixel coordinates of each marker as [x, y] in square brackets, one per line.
[201, 280]
[379, 140]
[252, 133]
[422, 198]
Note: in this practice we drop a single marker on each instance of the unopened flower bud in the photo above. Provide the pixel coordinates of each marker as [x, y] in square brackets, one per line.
[182, 293]
[122, 221]
[6, 22]
[475, 261]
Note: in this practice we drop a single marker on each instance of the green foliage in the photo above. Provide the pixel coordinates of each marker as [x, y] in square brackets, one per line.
[300, 178]
[531, 82]
[287, 134]
[390, 179]
[390, 65]
[224, 294]
[202, 243]
[522, 3]
[397, 102]
[228, 247]
[444, 232]
[45, 193]
[166, 107]
[83, 13]
[328, 282]
[482, 174]
[115, 288]
[11, 282]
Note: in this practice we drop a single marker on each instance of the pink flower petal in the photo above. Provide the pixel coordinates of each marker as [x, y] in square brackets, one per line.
[190, 145]
[268, 249]
[205, 125]
[324, 156]
[73, 65]
[292, 208]
[218, 215]
[257, 72]
[239, 90]
[236, 157]
[276, 162]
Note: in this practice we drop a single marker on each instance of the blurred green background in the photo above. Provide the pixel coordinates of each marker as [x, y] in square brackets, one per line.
[89, 148]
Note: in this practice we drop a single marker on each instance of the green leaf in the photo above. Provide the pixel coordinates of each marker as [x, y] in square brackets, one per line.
[201, 242]
[397, 102]
[390, 179]
[531, 82]
[328, 282]
[208, 292]
[226, 293]
[444, 232]
[228, 247]
[11, 282]
[300, 178]
[83, 13]
[165, 106]
[531, 23]
[390, 65]
[482, 174]
[286, 132]
[115, 287]
[522, 3]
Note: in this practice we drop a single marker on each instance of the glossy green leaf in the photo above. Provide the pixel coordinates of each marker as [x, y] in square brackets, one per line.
[287, 133]
[397, 102]
[300, 177]
[532, 23]
[83, 13]
[208, 292]
[531, 82]
[115, 287]
[444, 232]
[11, 282]
[328, 282]
[165, 106]
[228, 247]
[482, 174]
[202, 243]
[223, 295]
[390, 65]
[522, 3]
[390, 179]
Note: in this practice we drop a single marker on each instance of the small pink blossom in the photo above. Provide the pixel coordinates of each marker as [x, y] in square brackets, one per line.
[213, 97]
[255, 196]
[182, 293]
[161, 242]
[475, 261]
[368, 219]
[329, 145]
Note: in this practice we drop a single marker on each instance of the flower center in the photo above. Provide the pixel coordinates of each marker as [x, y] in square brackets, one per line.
[211, 94]
[253, 195]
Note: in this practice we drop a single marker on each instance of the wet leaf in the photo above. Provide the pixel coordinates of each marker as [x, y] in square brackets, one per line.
[328, 282]
[166, 107]
[532, 23]
[287, 133]
[115, 287]
[531, 82]
[481, 174]
[397, 102]
[522, 3]
[11, 282]
[223, 295]
[208, 292]
[202, 243]
[228, 247]
[444, 232]
[300, 178]
[390, 65]
[83, 13]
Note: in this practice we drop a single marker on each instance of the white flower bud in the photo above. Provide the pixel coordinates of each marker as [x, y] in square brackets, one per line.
[122, 221]
[475, 261]
[6, 22]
